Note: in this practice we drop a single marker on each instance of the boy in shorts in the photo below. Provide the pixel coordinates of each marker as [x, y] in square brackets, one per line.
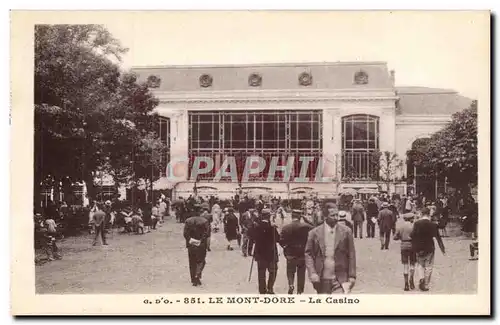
[408, 255]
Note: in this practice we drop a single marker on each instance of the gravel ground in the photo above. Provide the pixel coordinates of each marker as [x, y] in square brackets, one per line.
[157, 263]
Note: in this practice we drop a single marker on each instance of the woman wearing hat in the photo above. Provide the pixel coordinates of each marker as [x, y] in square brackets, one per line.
[231, 227]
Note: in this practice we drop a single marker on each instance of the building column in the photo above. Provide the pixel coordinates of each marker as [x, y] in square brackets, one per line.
[328, 145]
[387, 138]
[337, 142]
[179, 132]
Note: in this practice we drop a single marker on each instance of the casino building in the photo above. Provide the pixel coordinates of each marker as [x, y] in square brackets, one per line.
[344, 112]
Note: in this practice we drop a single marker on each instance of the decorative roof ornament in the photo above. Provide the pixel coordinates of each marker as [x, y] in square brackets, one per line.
[360, 78]
[206, 80]
[305, 79]
[254, 80]
[153, 81]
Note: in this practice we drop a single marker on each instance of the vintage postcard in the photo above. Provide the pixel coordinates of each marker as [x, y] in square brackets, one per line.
[250, 163]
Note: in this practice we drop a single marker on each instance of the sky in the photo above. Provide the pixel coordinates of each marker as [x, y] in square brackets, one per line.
[431, 49]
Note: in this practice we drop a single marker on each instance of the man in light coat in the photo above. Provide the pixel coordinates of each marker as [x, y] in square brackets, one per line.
[330, 255]
[358, 217]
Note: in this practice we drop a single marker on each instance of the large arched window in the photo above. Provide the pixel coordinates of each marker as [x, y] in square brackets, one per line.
[360, 143]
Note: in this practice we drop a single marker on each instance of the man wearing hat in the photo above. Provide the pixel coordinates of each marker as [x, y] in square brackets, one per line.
[266, 236]
[358, 217]
[293, 239]
[330, 255]
[98, 219]
[385, 224]
[408, 255]
[231, 227]
[371, 217]
[343, 219]
[247, 222]
[196, 232]
[205, 207]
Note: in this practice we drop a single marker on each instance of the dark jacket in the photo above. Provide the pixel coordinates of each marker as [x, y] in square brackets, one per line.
[372, 210]
[197, 228]
[293, 239]
[385, 219]
[423, 234]
[265, 237]
[345, 253]
[357, 212]
[231, 226]
[246, 222]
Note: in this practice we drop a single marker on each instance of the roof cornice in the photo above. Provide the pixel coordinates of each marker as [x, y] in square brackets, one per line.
[259, 65]
[257, 96]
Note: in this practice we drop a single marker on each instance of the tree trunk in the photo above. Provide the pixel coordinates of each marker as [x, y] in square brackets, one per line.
[89, 181]
[37, 195]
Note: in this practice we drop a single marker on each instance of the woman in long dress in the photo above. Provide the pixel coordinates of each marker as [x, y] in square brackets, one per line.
[216, 214]
[231, 227]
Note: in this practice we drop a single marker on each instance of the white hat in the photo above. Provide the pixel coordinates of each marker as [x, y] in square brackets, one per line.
[342, 214]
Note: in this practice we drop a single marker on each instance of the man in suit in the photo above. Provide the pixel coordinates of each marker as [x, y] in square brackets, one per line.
[422, 236]
[266, 237]
[385, 224]
[98, 219]
[293, 239]
[358, 217]
[205, 207]
[371, 215]
[247, 222]
[330, 255]
[196, 231]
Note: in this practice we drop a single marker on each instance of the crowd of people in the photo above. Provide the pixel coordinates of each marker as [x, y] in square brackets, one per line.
[320, 238]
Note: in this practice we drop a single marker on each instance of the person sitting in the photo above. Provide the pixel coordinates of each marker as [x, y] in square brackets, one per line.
[137, 222]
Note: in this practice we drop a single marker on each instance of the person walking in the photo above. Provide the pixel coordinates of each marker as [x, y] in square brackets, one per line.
[423, 234]
[247, 223]
[205, 208]
[266, 237]
[330, 255]
[293, 239]
[155, 216]
[358, 217]
[408, 256]
[216, 215]
[98, 220]
[372, 215]
[196, 230]
[231, 227]
[385, 223]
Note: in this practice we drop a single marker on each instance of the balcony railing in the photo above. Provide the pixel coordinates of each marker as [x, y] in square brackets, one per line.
[359, 166]
[240, 159]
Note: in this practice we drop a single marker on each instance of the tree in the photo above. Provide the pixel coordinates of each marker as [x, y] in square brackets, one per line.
[88, 117]
[389, 165]
[452, 151]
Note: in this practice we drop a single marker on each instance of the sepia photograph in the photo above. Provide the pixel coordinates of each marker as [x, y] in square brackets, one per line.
[272, 159]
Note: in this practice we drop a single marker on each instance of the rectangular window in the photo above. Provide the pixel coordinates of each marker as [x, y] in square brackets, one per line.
[266, 133]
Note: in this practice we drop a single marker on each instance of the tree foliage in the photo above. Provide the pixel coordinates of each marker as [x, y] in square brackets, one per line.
[452, 151]
[88, 115]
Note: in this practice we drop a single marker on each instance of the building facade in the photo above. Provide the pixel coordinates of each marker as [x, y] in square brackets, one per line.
[333, 117]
